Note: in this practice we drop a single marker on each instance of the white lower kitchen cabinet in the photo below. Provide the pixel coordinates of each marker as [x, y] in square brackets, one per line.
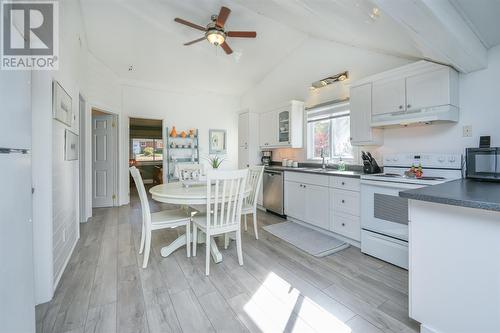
[326, 202]
[317, 205]
[295, 200]
[345, 207]
[308, 203]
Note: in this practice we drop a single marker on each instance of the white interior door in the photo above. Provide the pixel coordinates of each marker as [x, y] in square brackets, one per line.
[103, 161]
[243, 138]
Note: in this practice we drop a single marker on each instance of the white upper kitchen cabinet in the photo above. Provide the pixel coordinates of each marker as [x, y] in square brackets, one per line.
[431, 89]
[362, 134]
[268, 135]
[283, 126]
[388, 96]
[421, 92]
[248, 140]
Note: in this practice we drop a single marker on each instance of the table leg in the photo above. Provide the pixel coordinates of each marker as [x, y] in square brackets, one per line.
[181, 241]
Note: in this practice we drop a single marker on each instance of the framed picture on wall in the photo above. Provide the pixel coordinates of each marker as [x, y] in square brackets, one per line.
[61, 105]
[70, 146]
[217, 141]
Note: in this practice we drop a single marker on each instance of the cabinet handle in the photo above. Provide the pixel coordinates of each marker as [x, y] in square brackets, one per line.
[343, 224]
[343, 183]
[343, 201]
[401, 107]
[408, 106]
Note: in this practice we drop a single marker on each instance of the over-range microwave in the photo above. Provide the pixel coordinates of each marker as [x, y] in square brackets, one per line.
[483, 163]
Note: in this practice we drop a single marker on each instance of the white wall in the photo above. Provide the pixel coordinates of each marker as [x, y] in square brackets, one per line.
[314, 60]
[56, 182]
[478, 108]
[184, 110]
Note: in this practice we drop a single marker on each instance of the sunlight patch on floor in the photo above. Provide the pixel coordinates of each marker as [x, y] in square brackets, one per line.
[277, 305]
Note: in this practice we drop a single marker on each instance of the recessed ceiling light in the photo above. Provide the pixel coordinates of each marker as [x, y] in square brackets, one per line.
[375, 14]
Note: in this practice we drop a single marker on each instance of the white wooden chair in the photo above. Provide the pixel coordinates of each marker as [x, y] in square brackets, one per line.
[225, 190]
[189, 171]
[254, 180]
[160, 220]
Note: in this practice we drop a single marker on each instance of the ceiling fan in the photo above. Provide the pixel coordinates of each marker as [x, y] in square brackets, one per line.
[214, 31]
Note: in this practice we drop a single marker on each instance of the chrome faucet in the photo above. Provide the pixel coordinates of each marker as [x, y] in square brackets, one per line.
[322, 154]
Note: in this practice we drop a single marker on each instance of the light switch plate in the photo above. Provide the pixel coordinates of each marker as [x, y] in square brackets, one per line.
[467, 131]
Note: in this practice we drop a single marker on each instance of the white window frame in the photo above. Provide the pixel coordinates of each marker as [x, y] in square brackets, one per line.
[330, 111]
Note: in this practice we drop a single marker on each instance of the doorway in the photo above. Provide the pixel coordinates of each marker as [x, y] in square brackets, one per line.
[146, 149]
[104, 159]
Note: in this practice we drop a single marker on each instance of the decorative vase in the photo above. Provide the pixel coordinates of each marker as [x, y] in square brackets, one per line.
[173, 132]
[183, 134]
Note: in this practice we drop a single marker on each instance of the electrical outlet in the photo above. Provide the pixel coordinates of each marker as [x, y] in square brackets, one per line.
[467, 131]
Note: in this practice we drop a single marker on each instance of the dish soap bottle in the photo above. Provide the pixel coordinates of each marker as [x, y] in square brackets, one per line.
[341, 166]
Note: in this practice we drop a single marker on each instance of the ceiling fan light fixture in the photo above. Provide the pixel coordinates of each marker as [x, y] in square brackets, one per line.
[215, 37]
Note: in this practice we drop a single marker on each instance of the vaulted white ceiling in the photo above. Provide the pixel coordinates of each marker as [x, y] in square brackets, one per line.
[143, 34]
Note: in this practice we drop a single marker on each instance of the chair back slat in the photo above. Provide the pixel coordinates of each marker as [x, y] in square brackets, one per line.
[139, 184]
[225, 193]
[254, 181]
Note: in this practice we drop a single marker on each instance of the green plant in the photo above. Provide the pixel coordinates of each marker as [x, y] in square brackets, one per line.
[215, 161]
[148, 151]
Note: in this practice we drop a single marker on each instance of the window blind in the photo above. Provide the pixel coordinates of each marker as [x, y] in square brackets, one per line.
[329, 110]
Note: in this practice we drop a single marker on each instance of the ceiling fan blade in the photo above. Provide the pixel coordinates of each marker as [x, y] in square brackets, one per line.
[195, 41]
[222, 17]
[226, 48]
[189, 24]
[244, 34]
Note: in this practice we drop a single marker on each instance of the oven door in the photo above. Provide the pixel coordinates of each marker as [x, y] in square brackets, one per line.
[382, 210]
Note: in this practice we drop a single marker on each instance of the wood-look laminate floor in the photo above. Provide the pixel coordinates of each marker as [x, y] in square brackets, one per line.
[279, 288]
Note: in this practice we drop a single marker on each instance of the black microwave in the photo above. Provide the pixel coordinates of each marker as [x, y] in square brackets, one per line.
[483, 163]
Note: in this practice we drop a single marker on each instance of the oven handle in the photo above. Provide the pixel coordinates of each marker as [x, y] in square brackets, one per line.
[391, 184]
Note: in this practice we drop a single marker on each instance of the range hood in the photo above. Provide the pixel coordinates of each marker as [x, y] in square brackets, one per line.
[437, 114]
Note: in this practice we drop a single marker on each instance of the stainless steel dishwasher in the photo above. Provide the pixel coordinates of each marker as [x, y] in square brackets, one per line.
[273, 191]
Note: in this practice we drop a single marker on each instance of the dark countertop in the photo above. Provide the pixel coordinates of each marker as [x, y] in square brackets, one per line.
[461, 192]
[317, 170]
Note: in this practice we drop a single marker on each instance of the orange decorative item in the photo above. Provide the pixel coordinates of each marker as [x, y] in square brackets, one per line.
[191, 133]
[183, 134]
[173, 132]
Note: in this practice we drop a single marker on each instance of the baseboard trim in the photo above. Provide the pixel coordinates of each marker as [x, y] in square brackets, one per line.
[56, 281]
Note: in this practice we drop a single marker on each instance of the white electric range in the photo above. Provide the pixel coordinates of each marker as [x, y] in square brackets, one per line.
[384, 215]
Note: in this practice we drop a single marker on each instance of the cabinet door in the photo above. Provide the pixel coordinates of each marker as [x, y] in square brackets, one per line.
[295, 205]
[388, 96]
[317, 207]
[268, 129]
[284, 127]
[361, 113]
[428, 89]
[243, 130]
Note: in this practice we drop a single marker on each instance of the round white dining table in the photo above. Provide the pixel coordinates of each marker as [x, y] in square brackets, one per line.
[176, 193]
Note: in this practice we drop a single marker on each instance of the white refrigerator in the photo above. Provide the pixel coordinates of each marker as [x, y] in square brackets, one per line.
[17, 300]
